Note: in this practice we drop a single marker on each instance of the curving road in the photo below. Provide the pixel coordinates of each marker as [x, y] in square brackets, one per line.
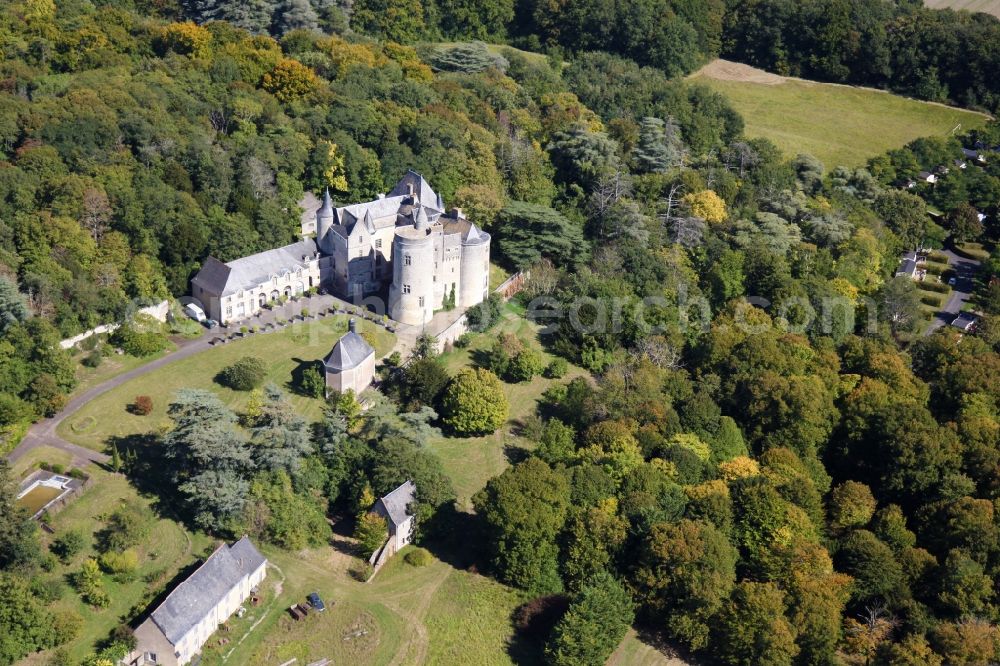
[43, 433]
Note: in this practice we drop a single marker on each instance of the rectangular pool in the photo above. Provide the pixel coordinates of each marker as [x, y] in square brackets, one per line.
[36, 498]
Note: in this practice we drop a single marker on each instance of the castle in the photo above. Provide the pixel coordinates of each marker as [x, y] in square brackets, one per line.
[402, 246]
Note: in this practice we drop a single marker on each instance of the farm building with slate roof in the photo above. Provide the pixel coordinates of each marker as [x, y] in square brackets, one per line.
[175, 632]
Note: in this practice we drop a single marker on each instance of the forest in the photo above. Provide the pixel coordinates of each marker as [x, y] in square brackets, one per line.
[771, 464]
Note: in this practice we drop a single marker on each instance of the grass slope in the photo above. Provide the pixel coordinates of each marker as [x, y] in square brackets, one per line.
[284, 351]
[985, 6]
[840, 125]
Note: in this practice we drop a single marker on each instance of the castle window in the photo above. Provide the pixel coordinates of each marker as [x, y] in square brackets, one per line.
[229, 311]
[406, 288]
[378, 243]
[407, 259]
[421, 301]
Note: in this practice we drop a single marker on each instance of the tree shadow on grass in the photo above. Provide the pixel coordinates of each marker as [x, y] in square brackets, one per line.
[295, 384]
[456, 538]
[150, 472]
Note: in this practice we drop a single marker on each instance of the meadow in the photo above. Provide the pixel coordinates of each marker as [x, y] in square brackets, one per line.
[985, 6]
[839, 125]
[286, 352]
[406, 614]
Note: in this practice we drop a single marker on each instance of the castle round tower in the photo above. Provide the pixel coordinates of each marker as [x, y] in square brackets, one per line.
[411, 296]
[475, 268]
[324, 221]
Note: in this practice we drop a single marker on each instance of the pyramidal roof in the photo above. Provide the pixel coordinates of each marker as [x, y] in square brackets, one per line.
[349, 352]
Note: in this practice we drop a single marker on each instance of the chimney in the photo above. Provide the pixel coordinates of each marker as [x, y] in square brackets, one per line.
[352, 326]
[457, 213]
[409, 189]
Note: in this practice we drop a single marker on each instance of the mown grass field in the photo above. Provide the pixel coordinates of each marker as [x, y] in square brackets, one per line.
[985, 6]
[840, 125]
[437, 614]
[285, 352]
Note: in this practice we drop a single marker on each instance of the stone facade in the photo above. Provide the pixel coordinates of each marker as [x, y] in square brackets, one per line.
[350, 365]
[356, 253]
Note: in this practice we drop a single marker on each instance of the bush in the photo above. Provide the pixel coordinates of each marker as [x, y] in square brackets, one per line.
[557, 368]
[463, 341]
[77, 473]
[245, 374]
[418, 557]
[474, 403]
[121, 565]
[485, 315]
[526, 364]
[938, 287]
[139, 343]
[93, 359]
[127, 528]
[313, 383]
[972, 251]
[69, 544]
[142, 405]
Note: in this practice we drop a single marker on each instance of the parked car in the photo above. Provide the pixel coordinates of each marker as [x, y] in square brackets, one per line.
[210, 324]
[195, 312]
[952, 281]
[316, 602]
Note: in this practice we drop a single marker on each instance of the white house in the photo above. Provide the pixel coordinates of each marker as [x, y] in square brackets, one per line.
[395, 508]
[175, 632]
[238, 289]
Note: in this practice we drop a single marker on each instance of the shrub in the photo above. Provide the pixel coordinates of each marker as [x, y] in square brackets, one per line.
[127, 527]
[139, 343]
[93, 359]
[484, 316]
[245, 374]
[474, 403]
[313, 383]
[557, 368]
[142, 405]
[938, 287]
[305, 312]
[56, 468]
[463, 341]
[418, 557]
[526, 364]
[77, 473]
[121, 565]
[69, 544]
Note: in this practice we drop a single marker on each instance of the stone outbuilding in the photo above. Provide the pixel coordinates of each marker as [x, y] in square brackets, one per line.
[351, 363]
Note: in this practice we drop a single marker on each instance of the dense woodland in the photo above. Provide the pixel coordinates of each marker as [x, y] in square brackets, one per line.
[807, 481]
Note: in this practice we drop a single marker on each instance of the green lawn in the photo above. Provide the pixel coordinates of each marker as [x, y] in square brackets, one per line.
[840, 125]
[985, 6]
[472, 461]
[168, 549]
[284, 351]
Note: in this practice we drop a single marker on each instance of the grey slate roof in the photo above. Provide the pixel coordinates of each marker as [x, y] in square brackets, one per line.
[190, 601]
[909, 267]
[249, 272]
[396, 503]
[421, 188]
[348, 353]
[964, 321]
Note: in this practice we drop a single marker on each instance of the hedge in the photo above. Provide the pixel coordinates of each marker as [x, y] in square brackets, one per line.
[972, 251]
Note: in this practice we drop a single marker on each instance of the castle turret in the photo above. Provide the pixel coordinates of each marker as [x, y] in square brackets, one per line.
[474, 285]
[411, 295]
[324, 221]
